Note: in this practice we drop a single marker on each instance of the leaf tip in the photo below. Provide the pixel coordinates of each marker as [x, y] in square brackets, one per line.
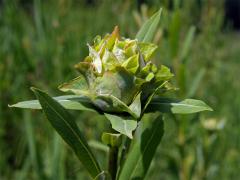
[10, 106]
[116, 32]
[61, 87]
[160, 10]
[16, 105]
[34, 89]
[209, 108]
[130, 135]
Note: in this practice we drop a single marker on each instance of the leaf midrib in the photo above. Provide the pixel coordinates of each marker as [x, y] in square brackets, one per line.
[143, 151]
[152, 24]
[90, 154]
[180, 104]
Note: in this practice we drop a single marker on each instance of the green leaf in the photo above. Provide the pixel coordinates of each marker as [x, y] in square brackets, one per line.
[147, 31]
[120, 84]
[163, 74]
[123, 125]
[130, 47]
[136, 106]
[187, 43]
[196, 83]
[132, 64]
[96, 59]
[78, 86]
[62, 122]
[86, 69]
[186, 106]
[73, 102]
[109, 103]
[142, 152]
[109, 60]
[149, 99]
[146, 70]
[174, 29]
[147, 50]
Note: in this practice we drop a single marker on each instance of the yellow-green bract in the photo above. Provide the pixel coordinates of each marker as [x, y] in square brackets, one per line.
[116, 71]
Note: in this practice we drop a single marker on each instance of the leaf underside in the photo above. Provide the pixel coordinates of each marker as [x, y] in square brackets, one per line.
[124, 125]
[74, 102]
[186, 106]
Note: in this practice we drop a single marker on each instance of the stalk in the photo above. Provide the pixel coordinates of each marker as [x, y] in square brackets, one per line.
[113, 161]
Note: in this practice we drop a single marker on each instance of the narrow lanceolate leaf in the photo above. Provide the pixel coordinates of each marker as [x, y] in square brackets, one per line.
[74, 102]
[142, 152]
[186, 106]
[123, 125]
[32, 146]
[187, 43]
[147, 31]
[196, 83]
[63, 123]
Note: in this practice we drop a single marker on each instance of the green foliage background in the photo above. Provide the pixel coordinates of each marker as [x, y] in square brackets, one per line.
[42, 40]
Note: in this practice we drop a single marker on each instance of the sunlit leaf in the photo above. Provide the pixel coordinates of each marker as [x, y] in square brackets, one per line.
[118, 51]
[78, 86]
[120, 84]
[87, 70]
[147, 31]
[109, 60]
[145, 70]
[74, 102]
[135, 107]
[132, 64]
[130, 48]
[147, 50]
[163, 74]
[186, 106]
[123, 125]
[112, 38]
[142, 152]
[149, 77]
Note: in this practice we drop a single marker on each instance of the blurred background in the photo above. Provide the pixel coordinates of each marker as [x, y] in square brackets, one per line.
[199, 40]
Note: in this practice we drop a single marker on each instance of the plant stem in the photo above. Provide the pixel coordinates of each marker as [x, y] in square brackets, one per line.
[113, 161]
